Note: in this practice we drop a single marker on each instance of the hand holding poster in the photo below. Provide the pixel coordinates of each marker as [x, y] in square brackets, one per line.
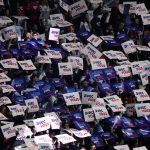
[76, 62]
[54, 34]
[88, 97]
[72, 98]
[27, 65]
[42, 124]
[54, 54]
[78, 8]
[100, 112]
[9, 33]
[141, 9]
[141, 95]
[144, 78]
[123, 71]
[142, 109]
[65, 69]
[4, 78]
[91, 51]
[65, 138]
[98, 64]
[94, 40]
[32, 105]
[88, 115]
[8, 131]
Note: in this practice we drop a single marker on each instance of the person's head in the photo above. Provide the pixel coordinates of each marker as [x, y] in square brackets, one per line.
[35, 35]
[93, 147]
[28, 35]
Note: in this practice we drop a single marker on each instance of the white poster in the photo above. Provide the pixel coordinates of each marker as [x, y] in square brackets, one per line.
[16, 110]
[114, 99]
[78, 8]
[94, 40]
[129, 47]
[100, 112]
[7, 88]
[42, 124]
[1, 3]
[27, 65]
[65, 138]
[82, 134]
[64, 5]
[117, 107]
[54, 119]
[91, 51]
[54, 34]
[76, 62]
[99, 102]
[121, 147]
[98, 64]
[8, 131]
[45, 146]
[144, 78]
[140, 148]
[4, 100]
[88, 115]
[146, 19]
[142, 109]
[141, 95]
[88, 97]
[32, 105]
[9, 63]
[43, 59]
[54, 54]
[65, 69]
[147, 69]
[2, 117]
[96, 1]
[4, 78]
[72, 98]
[142, 48]
[130, 109]
[123, 71]
[9, 32]
[56, 17]
[141, 9]
[70, 46]
[63, 24]
[137, 67]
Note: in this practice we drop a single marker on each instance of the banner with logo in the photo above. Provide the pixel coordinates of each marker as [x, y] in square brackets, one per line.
[78, 8]
[137, 67]
[76, 62]
[54, 34]
[9, 33]
[123, 71]
[88, 115]
[88, 97]
[130, 109]
[32, 105]
[129, 47]
[29, 122]
[63, 24]
[70, 46]
[43, 59]
[9, 63]
[117, 107]
[94, 40]
[30, 143]
[8, 131]
[98, 64]
[141, 9]
[72, 98]
[100, 112]
[141, 95]
[64, 5]
[54, 119]
[65, 138]
[4, 78]
[91, 51]
[65, 69]
[56, 17]
[54, 54]
[82, 134]
[142, 109]
[114, 99]
[144, 78]
[27, 65]
[71, 36]
[99, 102]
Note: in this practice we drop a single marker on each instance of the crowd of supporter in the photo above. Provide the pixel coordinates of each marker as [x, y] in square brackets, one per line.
[47, 85]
